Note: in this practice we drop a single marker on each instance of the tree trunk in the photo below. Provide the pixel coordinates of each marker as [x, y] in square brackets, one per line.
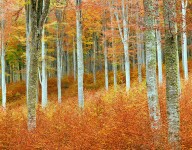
[150, 47]
[143, 51]
[139, 57]
[184, 39]
[159, 56]
[124, 37]
[79, 54]
[172, 66]
[3, 80]
[94, 57]
[68, 63]
[60, 18]
[28, 29]
[139, 46]
[105, 53]
[59, 72]
[114, 50]
[38, 15]
[158, 43]
[74, 61]
[44, 71]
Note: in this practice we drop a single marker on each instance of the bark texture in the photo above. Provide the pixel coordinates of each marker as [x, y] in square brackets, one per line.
[184, 39]
[38, 15]
[44, 71]
[172, 66]
[3, 79]
[80, 63]
[150, 47]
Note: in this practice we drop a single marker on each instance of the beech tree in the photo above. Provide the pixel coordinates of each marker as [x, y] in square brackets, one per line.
[74, 60]
[158, 43]
[94, 57]
[184, 39]
[105, 51]
[80, 63]
[139, 43]
[44, 70]
[150, 47]
[28, 29]
[124, 34]
[3, 81]
[113, 45]
[38, 12]
[60, 18]
[172, 70]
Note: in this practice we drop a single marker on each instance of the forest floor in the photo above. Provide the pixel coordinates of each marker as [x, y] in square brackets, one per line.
[113, 120]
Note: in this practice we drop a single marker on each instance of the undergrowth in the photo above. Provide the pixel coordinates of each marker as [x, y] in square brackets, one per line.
[113, 120]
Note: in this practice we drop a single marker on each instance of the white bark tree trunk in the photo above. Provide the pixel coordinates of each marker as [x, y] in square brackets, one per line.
[105, 54]
[28, 29]
[74, 61]
[139, 57]
[150, 46]
[79, 54]
[143, 50]
[158, 43]
[59, 71]
[124, 33]
[44, 71]
[3, 80]
[59, 42]
[184, 39]
[139, 46]
[159, 56]
[114, 50]
[68, 63]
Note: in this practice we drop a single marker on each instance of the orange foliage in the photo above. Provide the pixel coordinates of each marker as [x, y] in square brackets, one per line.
[110, 120]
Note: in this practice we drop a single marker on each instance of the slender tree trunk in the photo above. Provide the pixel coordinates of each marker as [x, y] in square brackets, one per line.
[159, 50]
[139, 47]
[94, 57]
[38, 15]
[68, 63]
[143, 51]
[79, 54]
[3, 80]
[126, 47]
[114, 50]
[105, 53]
[74, 61]
[124, 37]
[139, 57]
[44, 71]
[159, 56]
[150, 47]
[59, 72]
[158, 43]
[20, 70]
[28, 29]
[172, 66]
[184, 39]
[60, 18]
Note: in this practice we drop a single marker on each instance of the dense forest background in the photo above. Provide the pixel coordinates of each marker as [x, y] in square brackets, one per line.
[96, 74]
